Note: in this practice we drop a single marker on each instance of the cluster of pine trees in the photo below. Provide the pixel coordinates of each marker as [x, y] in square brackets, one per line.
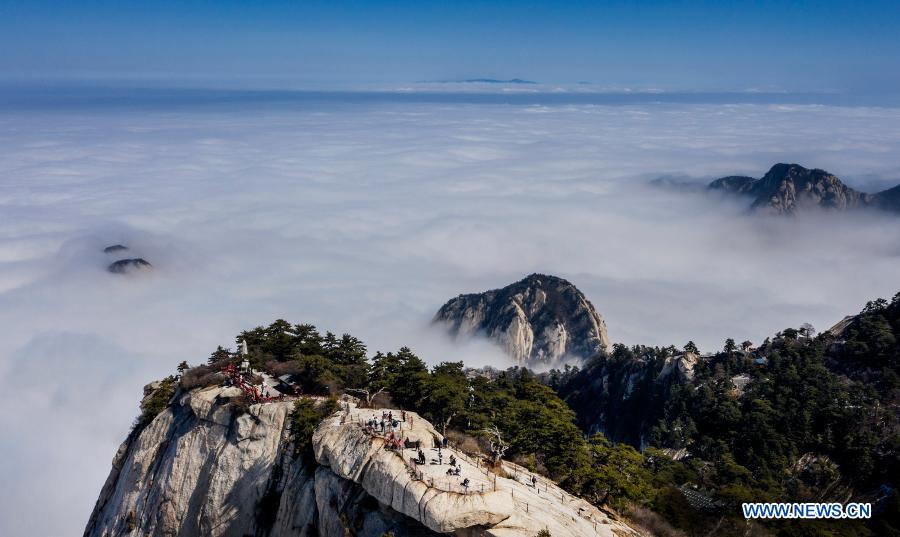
[800, 418]
[537, 427]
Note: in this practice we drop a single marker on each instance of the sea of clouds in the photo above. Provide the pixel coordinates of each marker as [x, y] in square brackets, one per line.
[364, 216]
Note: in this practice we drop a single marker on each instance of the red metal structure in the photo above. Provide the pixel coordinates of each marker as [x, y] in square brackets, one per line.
[250, 391]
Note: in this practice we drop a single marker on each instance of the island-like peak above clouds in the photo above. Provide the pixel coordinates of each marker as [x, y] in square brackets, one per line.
[125, 265]
[539, 320]
[790, 188]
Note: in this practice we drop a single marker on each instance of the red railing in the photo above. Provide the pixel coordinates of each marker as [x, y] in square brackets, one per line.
[250, 391]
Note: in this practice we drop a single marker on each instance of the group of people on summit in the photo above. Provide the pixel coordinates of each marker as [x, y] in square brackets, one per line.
[455, 468]
[391, 427]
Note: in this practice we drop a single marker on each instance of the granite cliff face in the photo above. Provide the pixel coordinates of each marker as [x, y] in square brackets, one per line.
[538, 321]
[790, 188]
[609, 395]
[200, 469]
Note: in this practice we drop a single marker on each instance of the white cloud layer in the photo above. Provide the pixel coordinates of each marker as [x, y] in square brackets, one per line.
[365, 218]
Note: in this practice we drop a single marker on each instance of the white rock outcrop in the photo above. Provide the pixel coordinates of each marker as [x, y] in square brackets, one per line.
[490, 506]
[683, 363]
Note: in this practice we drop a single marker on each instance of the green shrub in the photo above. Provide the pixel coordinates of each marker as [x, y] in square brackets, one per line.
[157, 401]
[305, 418]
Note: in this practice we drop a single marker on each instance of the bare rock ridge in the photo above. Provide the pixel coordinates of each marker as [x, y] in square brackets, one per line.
[787, 189]
[539, 320]
[201, 469]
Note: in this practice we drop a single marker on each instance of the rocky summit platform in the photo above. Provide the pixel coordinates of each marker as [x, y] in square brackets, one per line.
[488, 505]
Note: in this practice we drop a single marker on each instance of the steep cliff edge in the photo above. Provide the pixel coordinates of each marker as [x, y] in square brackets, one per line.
[538, 321]
[200, 468]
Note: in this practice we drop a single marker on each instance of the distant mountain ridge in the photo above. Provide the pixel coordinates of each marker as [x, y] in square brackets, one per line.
[787, 189]
[484, 81]
[499, 81]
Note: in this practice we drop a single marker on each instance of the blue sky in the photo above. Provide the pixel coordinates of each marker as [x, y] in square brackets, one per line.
[795, 46]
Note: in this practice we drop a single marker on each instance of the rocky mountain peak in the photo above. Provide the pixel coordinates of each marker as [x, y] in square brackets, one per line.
[199, 468]
[790, 187]
[787, 189]
[539, 320]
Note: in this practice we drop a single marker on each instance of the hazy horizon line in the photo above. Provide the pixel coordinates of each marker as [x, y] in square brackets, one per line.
[22, 92]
